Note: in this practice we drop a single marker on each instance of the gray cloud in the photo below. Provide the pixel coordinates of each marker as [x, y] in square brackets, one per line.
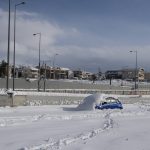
[76, 48]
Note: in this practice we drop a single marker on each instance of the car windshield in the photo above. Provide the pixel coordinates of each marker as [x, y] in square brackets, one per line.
[110, 100]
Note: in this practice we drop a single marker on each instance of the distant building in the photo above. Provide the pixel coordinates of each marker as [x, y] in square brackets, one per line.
[62, 73]
[82, 74]
[30, 72]
[19, 71]
[87, 75]
[141, 74]
[113, 74]
[130, 74]
[147, 76]
[127, 74]
[55, 73]
[78, 74]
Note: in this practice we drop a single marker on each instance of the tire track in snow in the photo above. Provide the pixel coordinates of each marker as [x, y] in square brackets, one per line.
[21, 120]
[16, 121]
[52, 145]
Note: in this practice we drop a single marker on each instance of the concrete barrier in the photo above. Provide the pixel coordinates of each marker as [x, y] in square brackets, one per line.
[7, 100]
[24, 100]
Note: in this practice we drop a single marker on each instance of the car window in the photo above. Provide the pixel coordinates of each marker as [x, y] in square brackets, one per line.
[104, 103]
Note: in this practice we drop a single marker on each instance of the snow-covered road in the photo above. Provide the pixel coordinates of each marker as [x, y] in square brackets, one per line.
[63, 127]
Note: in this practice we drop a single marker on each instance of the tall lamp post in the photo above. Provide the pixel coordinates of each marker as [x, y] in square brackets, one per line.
[39, 58]
[8, 50]
[54, 64]
[22, 3]
[135, 51]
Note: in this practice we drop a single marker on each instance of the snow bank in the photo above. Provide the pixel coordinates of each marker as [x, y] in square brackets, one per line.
[90, 101]
[2, 91]
[7, 92]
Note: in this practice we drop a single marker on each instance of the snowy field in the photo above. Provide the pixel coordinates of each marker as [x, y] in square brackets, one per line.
[31, 84]
[67, 128]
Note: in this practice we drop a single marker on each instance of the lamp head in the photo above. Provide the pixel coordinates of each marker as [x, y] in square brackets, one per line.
[37, 33]
[23, 3]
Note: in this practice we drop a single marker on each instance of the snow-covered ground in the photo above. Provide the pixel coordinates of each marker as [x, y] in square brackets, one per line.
[66, 128]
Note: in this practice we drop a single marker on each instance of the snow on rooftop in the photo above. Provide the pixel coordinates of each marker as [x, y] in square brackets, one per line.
[66, 69]
[33, 68]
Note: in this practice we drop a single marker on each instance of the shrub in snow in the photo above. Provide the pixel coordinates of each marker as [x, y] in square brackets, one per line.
[89, 102]
[3, 91]
[10, 92]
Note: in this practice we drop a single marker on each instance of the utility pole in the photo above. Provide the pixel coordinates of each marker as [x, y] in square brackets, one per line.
[39, 77]
[8, 50]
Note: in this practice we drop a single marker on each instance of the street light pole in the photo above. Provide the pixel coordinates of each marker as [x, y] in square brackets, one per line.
[22, 3]
[135, 51]
[8, 50]
[39, 58]
[44, 76]
[54, 64]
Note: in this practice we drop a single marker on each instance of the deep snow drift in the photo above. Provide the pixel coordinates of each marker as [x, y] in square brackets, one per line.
[90, 101]
[53, 128]
[73, 127]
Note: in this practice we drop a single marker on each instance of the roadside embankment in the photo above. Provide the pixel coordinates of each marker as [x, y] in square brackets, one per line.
[18, 98]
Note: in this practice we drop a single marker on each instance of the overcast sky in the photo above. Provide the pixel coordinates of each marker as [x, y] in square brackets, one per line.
[87, 34]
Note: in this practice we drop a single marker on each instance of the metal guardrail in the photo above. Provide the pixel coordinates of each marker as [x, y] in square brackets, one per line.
[119, 92]
[92, 91]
